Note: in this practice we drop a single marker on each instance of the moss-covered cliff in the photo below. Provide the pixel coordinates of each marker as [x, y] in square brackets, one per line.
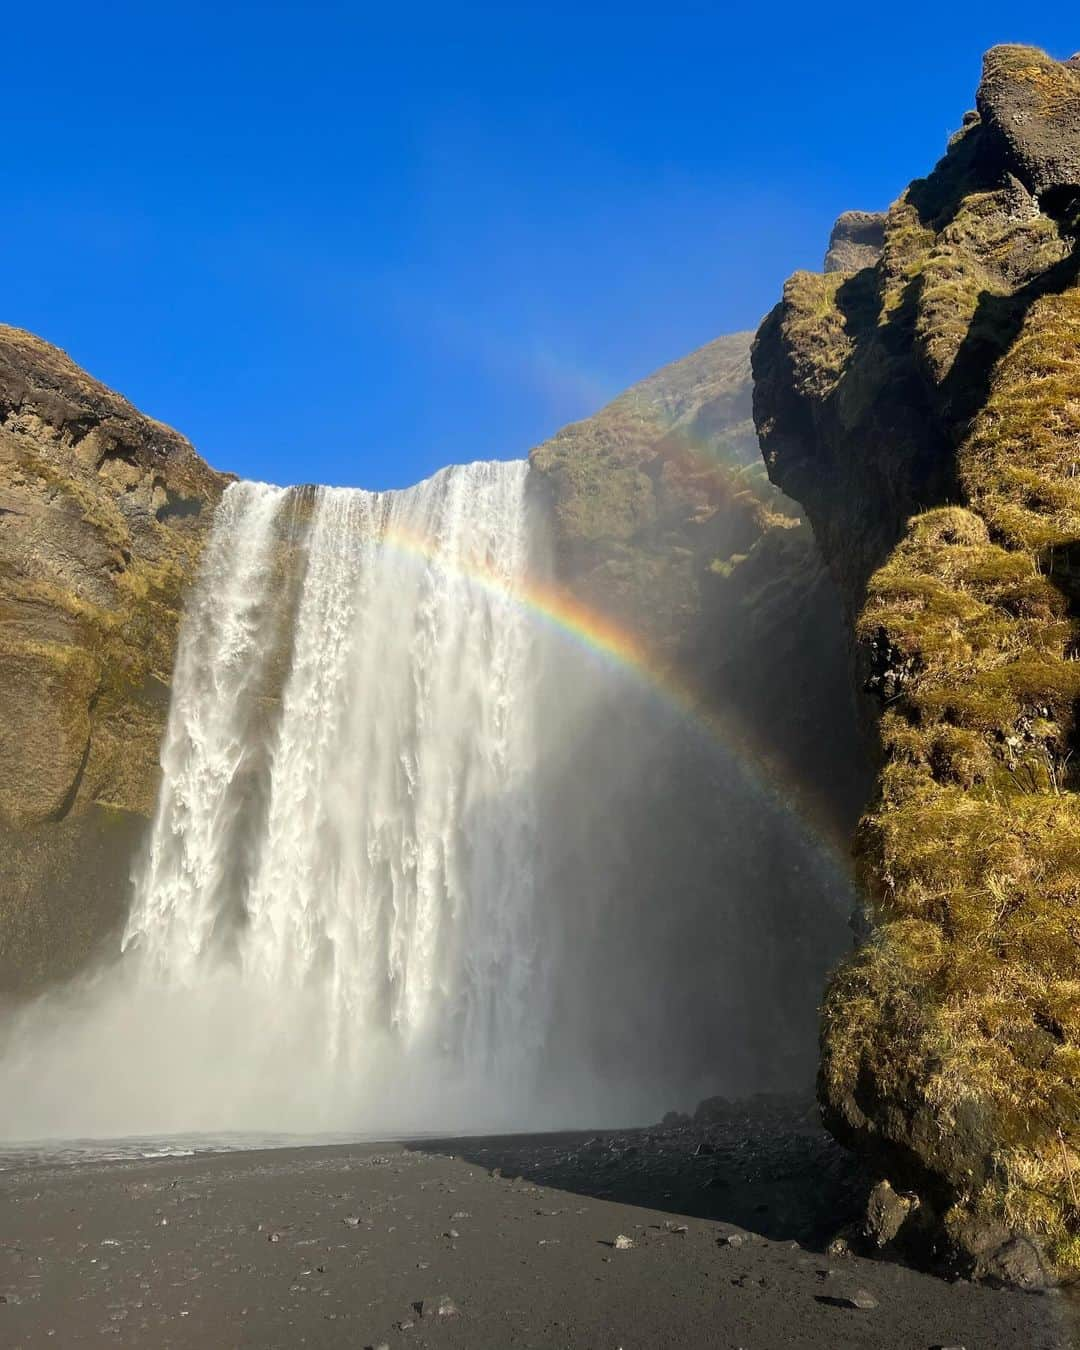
[925, 410]
[664, 519]
[102, 515]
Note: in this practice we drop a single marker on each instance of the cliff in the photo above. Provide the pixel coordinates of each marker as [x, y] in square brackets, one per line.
[923, 403]
[102, 515]
[664, 519]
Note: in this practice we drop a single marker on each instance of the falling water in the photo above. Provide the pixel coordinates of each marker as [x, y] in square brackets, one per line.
[418, 863]
[386, 890]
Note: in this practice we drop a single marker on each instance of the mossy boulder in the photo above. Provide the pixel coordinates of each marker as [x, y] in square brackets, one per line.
[103, 512]
[926, 412]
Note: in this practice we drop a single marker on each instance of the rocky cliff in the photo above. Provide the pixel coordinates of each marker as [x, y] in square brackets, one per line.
[921, 399]
[102, 515]
[664, 519]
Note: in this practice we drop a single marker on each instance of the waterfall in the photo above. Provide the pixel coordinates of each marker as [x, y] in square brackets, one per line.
[381, 879]
[420, 861]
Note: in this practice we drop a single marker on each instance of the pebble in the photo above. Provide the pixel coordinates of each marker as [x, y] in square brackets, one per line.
[444, 1306]
[730, 1240]
[352, 1221]
[861, 1298]
[623, 1243]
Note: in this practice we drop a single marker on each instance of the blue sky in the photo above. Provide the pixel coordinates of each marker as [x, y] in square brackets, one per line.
[349, 243]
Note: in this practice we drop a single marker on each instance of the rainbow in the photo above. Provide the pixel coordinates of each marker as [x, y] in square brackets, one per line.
[601, 635]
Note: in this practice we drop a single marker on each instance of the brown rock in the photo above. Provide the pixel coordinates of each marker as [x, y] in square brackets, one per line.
[1030, 105]
[885, 1213]
[102, 516]
[856, 241]
[923, 413]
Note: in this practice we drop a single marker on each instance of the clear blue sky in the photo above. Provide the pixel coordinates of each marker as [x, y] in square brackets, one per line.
[351, 243]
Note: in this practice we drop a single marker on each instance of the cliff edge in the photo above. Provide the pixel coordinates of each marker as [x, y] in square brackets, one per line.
[102, 517]
[665, 521]
[923, 404]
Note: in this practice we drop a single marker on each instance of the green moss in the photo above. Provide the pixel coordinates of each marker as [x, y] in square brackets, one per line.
[951, 1040]
[815, 328]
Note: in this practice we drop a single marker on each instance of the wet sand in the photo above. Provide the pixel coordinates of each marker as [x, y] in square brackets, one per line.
[356, 1245]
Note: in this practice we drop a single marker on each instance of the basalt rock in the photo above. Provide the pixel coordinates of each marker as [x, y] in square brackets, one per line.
[102, 516]
[925, 410]
[856, 241]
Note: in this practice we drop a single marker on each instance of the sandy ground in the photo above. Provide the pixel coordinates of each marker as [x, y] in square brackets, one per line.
[354, 1246]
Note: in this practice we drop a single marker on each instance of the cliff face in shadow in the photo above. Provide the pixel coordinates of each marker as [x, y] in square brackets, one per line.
[925, 410]
[102, 516]
[664, 520]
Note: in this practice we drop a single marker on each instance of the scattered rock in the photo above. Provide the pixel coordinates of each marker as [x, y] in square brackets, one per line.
[622, 1243]
[839, 1246]
[443, 1306]
[352, 1221]
[886, 1211]
[1019, 1262]
[861, 1298]
[730, 1240]
[991, 1252]
[270, 1237]
[461, 1214]
[712, 1108]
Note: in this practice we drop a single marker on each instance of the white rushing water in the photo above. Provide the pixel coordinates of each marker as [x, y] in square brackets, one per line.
[335, 918]
[419, 863]
[388, 882]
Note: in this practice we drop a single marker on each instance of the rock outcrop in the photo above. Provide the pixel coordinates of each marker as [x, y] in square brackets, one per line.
[925, 410]
[102, 516]
[856, 241]
[665, 521]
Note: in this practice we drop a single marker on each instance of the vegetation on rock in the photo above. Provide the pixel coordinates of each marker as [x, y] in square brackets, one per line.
[665, 520]
[926, 412]
[102, 516]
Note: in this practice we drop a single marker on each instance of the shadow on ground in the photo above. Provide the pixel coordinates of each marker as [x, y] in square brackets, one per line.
[765, 1165]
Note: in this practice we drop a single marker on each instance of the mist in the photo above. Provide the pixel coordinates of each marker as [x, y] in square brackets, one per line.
[424, 860]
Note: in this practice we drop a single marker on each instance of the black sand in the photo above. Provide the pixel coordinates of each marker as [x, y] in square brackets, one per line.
[336, 1246]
